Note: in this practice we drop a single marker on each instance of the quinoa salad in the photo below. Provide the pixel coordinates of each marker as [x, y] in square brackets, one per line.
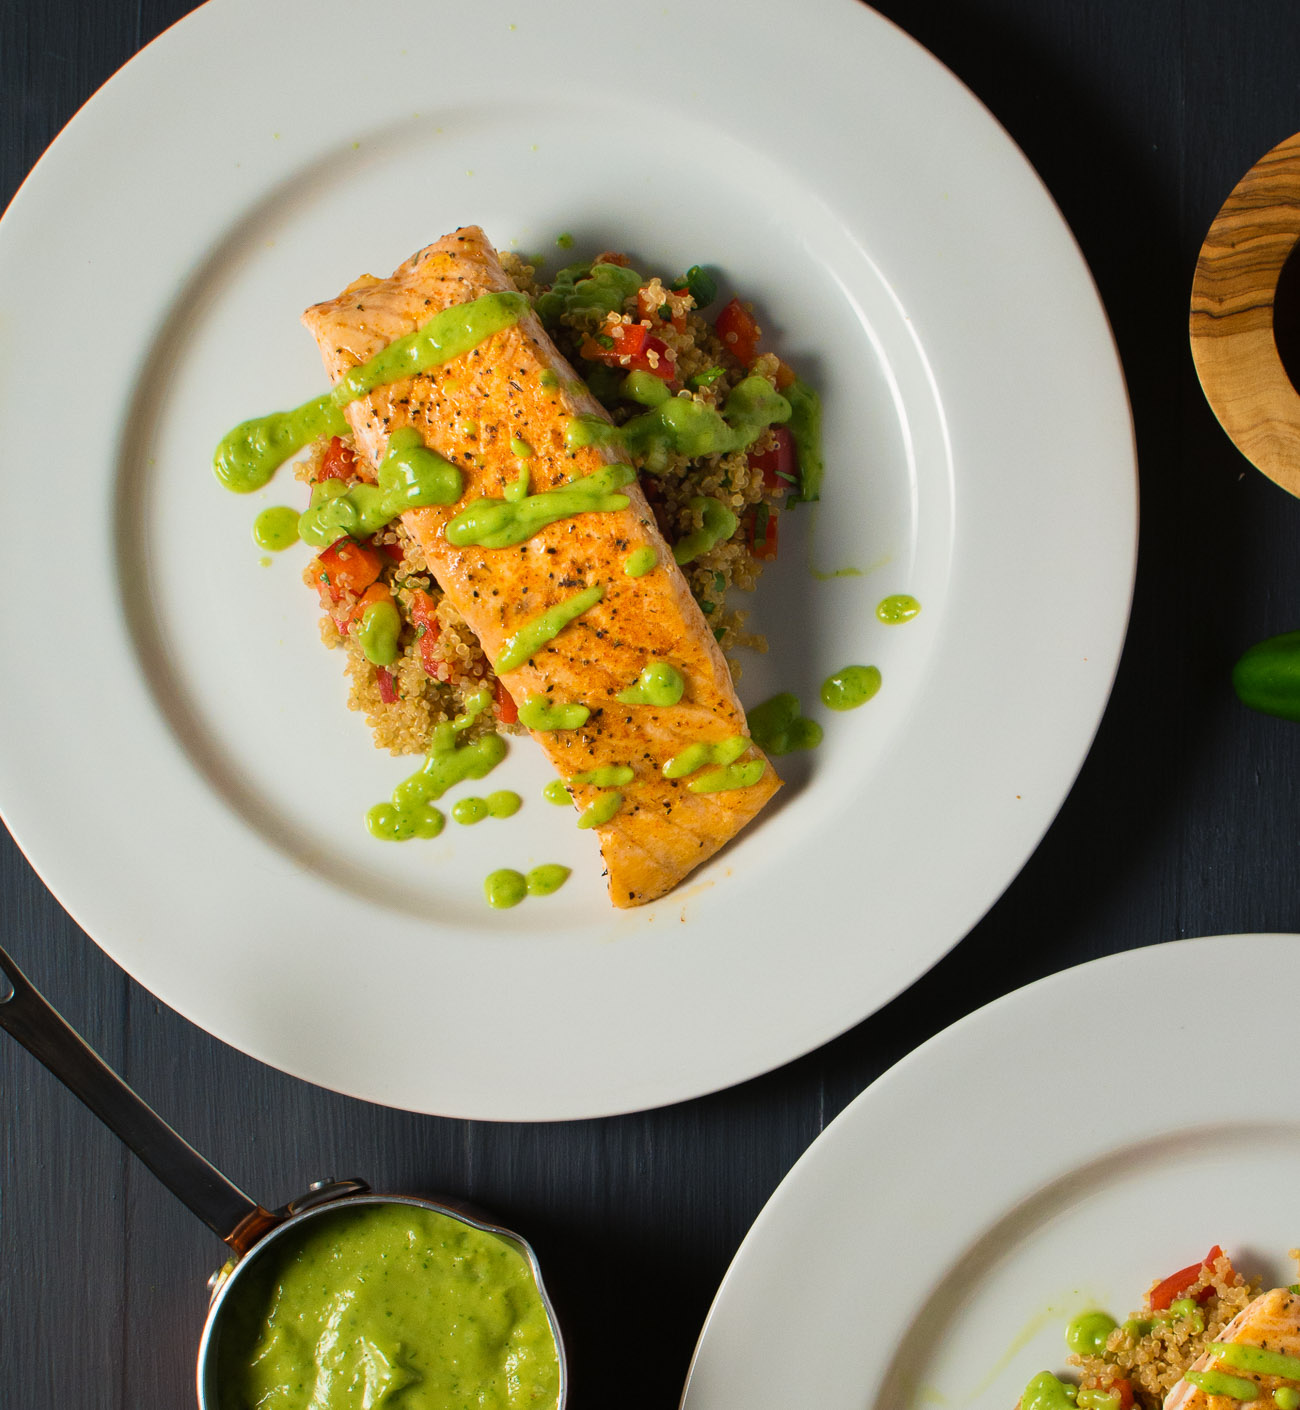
[1205, 1338]
[635, 340]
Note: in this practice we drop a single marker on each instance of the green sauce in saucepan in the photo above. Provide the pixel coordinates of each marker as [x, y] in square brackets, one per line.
[388, 1305]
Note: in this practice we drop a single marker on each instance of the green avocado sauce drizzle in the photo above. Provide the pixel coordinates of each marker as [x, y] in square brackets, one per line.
[680, 426]
[611, 776]
[602, 810]
[506, 887]
[851, 687]
[1220, 1383]
[727, 773]
[468, 811]
[533, 635]
[538, 713]
[248, 456]
[718, 525]
[498, 523]
[381, 625]
[1258, 1359]
[660, 683]
[557, 792]
[1086, 1334]
[410, 476]
[900, 607]
[276, 528]
[1286, 1398]
[778, 727]
[1045, 1392]
[696, 756]
[504, 803]
[546, 879]
[447, 763]
[641, 561]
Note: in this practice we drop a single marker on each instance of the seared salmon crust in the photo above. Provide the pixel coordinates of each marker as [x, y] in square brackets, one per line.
[469, 410]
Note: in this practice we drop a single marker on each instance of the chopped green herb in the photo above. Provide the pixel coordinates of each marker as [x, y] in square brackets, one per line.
[701, 285]
[719, 583]
[604, 340]
[702, 379]
[665, 313]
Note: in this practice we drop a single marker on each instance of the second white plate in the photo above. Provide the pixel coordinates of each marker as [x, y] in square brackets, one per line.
[1055, 1151]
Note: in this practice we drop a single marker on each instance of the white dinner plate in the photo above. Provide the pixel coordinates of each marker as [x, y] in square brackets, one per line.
[1056, 1151]
[178, 762]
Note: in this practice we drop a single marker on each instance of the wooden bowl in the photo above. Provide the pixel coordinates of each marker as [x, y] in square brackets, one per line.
[1234, 331]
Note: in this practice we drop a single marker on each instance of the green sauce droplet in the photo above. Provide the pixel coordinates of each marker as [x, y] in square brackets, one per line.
[902, 607]
[410, 476]
[611, 776]
[469, 811]
[377, 634]
[564, 240]
[733, 776]
[505, 888]
[532, 636]
[1219, 1383]
[556, 792]
[276, 528]
[717, 526]
[851, 687]
[1045, 1392]
[659, 683]
[249, 455]
[680, 426]
[641, 561]
[696, 756]
[602, 810]
[546, 879]
[499, 523]
[520, 447]
[389, 823]
[1286, 1398]
[779, 728]
[446, 764]
[1086, 1334]
[539, 713]
[504, 803]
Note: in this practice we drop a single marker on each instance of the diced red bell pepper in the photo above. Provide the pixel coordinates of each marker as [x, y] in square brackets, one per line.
[1124, 1388]
[376, 592]
[506, 709]
[338, 462]
[762, 534]
[387, 683]
[345, 567]
[780, 465]
[1164, 1292]
[427, 630]
[393, 550]
[739, 330]
[633, 346]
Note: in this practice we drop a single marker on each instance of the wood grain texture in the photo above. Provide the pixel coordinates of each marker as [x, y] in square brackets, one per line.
[1231, 325]
[1140, 119]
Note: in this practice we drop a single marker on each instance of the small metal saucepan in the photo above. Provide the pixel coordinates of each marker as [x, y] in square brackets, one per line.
[245, 1226]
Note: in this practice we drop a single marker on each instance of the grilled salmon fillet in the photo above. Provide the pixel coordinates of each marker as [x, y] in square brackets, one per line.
[1272, 1324]
[469, 410]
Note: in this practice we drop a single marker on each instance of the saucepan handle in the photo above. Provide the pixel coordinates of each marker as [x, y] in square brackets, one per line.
[28, 1016]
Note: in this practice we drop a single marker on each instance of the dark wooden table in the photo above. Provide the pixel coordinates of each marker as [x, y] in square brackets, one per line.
[1184, 821]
